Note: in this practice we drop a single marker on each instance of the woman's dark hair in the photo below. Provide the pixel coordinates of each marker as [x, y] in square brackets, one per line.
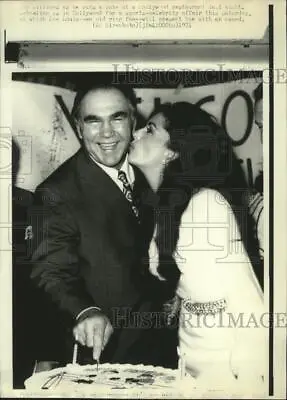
[258, 92]
[206, 159]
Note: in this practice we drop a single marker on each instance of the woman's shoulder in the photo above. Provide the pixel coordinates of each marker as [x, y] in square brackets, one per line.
[207, 204]
[209, 195]
[205, 191]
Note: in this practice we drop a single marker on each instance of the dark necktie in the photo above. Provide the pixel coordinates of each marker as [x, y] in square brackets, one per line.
[127, 190]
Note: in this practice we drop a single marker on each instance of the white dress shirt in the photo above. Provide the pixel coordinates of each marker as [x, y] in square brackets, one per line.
[113, 173]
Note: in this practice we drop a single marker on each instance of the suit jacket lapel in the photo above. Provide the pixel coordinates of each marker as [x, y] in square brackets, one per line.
[96, 181]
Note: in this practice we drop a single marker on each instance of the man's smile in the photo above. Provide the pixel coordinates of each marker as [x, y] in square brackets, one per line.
[108, 147]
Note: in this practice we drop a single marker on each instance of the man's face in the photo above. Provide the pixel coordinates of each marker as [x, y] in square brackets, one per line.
[105, 125]
[258, 114]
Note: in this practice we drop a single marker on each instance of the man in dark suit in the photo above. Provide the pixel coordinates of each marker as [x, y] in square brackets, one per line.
[87, 257]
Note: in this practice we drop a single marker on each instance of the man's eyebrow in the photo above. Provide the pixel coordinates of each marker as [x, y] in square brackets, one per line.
[91, 117]
[117, 114]
[120, 114]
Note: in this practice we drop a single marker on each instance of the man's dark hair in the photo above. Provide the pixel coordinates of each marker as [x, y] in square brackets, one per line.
[126, 90]
[258, 92]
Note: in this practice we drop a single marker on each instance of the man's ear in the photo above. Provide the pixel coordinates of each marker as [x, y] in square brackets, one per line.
[134, 123]
[78, 128]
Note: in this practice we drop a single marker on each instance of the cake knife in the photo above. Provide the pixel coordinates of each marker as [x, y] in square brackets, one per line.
[75, 353]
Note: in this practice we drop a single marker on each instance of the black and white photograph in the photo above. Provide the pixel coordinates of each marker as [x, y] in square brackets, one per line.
[145, 207]
[143, 238]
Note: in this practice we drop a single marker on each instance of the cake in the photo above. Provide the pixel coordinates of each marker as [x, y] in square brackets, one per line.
[126, 380]
[108, 378]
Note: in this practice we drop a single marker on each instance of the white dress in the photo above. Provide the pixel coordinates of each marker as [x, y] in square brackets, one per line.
[255, 205]
[220, 329]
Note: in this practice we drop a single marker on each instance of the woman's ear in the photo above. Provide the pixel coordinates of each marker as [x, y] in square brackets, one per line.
[171, 155]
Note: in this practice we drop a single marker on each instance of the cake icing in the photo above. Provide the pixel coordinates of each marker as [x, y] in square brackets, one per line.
[107, 378]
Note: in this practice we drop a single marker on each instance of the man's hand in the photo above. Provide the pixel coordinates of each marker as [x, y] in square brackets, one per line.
[94, 330]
